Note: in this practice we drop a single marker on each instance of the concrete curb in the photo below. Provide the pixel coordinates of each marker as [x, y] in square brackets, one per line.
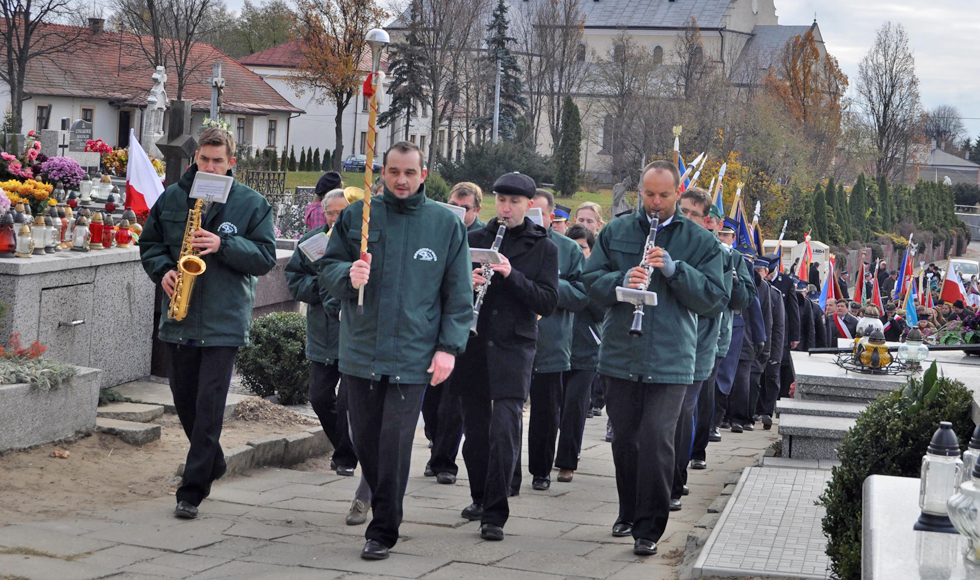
[275, 451]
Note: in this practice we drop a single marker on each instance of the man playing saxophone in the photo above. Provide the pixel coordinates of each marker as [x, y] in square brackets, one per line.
[236, 241]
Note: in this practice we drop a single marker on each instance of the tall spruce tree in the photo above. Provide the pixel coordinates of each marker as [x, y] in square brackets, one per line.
[512, 100]
[292, 158]
[859, 207]
[569, 152]
[284, 161]
[302, 158]
[406, 66]
[887, 203]
[820, 215]
[975, 151]
[843, 215]
[327, 163]
[316, 160]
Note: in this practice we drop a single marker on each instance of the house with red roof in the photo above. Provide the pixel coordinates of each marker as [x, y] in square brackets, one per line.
[105, 79]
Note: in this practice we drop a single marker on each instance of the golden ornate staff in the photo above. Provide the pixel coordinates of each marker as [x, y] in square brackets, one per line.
[377, 39]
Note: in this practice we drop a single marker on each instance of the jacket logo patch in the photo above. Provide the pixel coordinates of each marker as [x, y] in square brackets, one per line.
[227, 228]
[425, 254]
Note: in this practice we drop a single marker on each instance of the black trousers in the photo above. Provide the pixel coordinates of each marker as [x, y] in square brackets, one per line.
[769, 391]
[199, 380]
[598, 394]
[490, 450]
[430, 410]
[644, 418]
[704, 421]
[383, 416]
[739, 400]
[684, 438]
[449, 430]
[575, 405]
[331, 409]
[542, 429]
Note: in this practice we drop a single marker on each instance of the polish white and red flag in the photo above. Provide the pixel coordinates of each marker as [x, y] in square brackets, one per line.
[143, 185]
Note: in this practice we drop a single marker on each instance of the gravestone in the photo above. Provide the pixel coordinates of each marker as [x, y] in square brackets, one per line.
[157, 103]
[179, 145]
[81, 131]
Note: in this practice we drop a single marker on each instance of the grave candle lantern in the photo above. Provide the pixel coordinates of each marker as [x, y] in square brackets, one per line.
[96, 230]
[962, 508]
[25, 242]
[49, 235]
[8, 239]
[110, 203]
[72, 200]
[123, 236]
[941, 466]
[70, 232]
[970, 457]
[40, 234]
[81, 237]
[108, 232]
[85, 190]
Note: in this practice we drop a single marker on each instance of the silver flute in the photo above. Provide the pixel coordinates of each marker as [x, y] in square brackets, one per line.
[488, 274]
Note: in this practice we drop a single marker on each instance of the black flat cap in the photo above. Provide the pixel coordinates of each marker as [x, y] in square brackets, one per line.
[328, 181]
[514, 184]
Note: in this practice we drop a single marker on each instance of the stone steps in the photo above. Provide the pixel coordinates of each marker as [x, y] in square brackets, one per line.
[853, 389]
[813, 436]
[135, 412]
[153, 393]
[130, 432]
[820, 408]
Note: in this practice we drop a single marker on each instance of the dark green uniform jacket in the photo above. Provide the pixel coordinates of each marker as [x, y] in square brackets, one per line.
[585, 338]
[554, 350]
[220, 309]
[477, 225]
[709, 325]
[322, 315]
[419, 298]
[666, 351]
[743, 292]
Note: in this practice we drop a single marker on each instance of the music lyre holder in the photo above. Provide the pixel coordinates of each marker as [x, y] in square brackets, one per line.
[636, 297]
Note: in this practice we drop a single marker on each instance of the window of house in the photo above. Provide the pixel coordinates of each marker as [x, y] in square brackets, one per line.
[43, 117]
[411, 138]
[364, 103]
[422, 143]
[363, 142]
[241, 130]
[425, 109]
[580, 53]
[658, 55]
[459, 146]
[88, 114]
[272, 133]
[607, 134]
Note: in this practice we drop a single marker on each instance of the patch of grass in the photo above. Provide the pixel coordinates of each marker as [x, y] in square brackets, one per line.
[22, 551]
[296, 179]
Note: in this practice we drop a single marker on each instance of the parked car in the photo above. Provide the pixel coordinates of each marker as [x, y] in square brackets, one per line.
[968, 268]
[356, 163]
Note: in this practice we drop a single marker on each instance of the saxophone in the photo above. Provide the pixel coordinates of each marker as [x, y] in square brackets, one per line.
[189, 266]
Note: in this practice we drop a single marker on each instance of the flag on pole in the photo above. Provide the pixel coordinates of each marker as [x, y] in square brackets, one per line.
[911, 316]
[720, 202]
[876, 293]
[681, 168]
[756, 234]
[803, 272]
[143, 185]
[779, 246]
[905, 273]
[742, 234]
[952, 289]
[859, 285]
[824, 295]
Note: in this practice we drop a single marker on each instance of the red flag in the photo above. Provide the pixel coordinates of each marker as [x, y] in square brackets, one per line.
[876, 296]
[803, 272]
[143, 186]
[952, 290]
[859, 281]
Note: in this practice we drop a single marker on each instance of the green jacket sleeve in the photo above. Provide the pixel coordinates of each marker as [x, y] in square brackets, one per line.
[743, 289]
[600, 277]
[336, 262]
[457, 295]
[699, 285]
[154, 253]
[301, 280]
[255, 252]
[571, 290]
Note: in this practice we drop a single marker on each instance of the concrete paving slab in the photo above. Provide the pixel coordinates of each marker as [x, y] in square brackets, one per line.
[136, 412]
[254, 571]
[561, 564]
[347, 559]
[120, 556]
[186, 536]
[154, 393]
[131, 432]
[40, 568]
[52, 542]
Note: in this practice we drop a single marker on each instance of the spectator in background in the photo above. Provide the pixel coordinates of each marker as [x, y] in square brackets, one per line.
[589, 214]
[814, 275]
[313, 213]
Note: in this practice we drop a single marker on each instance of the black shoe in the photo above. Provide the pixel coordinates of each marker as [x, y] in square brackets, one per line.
[767, 422]
[472, 512]
[185, 510]
[736, 428]
[596, 412]
[725, 424]
[756, 418]
[514, 492]
[345, 471]
[428, 470]
[589, 414]
[373, 550]
[446, 478]
[430, 443]
[541, 483]
[643, 547]
[491, 532]
[748, 427]
[675, 505]
[609, 432]
[699, 464]
[685, 490]
[622, 529]
[715, 435]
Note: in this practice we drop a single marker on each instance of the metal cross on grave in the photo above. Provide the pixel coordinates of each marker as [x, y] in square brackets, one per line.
[217, 88]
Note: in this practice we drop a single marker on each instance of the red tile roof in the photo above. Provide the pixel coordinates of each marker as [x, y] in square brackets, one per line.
[112, 66]
[290, 55]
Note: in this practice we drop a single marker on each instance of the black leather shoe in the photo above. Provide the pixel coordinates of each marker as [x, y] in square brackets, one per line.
[428, 471]
[596, 412]
[736, 428]
[685, 490]
[588, 414]
[699, 464]
[491, 532]
[472, 512]
[185, 510]
[541, 483]
[622, 529]
[725, 425]
[748, 427]
[374, 550]
[345, 471]
[609, 433]
[675, 505]
[446, 478]
[514, 492]
[715, 435]
[643, 547]
[767, 422]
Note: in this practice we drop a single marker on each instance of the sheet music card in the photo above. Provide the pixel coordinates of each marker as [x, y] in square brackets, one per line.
[211, 187]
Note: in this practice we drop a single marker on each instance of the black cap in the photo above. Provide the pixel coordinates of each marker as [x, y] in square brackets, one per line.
[328, 182]
[958, 304]
[890, 307]
[514, 184]
[944, 441]
[562, 213]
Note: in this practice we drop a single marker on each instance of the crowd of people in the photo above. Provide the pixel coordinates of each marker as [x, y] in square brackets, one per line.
[393, 332]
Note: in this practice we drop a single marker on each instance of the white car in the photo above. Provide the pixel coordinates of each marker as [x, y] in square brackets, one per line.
[968, 268]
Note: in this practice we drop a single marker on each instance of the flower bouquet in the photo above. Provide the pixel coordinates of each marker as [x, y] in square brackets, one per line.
[31, 192]
[63, 169]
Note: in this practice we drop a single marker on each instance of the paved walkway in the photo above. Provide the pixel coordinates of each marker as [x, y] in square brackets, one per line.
[289, 523]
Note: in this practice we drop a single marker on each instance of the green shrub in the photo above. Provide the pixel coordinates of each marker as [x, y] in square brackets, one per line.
[436, 187]
[483, 164]
[890, 438]
[275, 361]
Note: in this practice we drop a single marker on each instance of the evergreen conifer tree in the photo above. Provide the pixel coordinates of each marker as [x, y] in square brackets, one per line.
[292, 158]
[512, 100]
[569, 150]
[406, 66]
[316, 160]
[975, 151]
[820, 215]
[844, 215]
[284, 161]
[859, 207]
[302, 158]
[887, 203]
[327, 165]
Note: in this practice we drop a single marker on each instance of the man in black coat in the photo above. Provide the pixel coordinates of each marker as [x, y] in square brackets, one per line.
[888, 286]
[808, 338]
[755, 350]
[524, 287]
[842, 281]
[767, 390]
[814, 275]
[894, 324]
[840, 323]
[819, 327]
[786, 285]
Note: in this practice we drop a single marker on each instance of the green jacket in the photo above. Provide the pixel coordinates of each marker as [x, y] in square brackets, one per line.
[709, 327]
[220, 309]
[323, 313]
[554, 349]
[477, 225]
[585, 335]
[420, 295]
[742, 294]
[666, 351]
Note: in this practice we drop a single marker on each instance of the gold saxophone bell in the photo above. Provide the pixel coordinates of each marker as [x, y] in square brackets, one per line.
[189, 266]
[353, 194]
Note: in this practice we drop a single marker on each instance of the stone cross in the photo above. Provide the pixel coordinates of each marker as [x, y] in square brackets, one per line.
[156, 106]
[217, 88]
[179, 145]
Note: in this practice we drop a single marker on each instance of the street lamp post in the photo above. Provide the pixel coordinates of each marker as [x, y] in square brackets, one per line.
[496, 100]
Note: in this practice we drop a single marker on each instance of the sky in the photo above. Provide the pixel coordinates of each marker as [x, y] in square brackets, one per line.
[944, 36]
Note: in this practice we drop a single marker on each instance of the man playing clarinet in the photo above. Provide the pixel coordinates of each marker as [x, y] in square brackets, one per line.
[646, 376]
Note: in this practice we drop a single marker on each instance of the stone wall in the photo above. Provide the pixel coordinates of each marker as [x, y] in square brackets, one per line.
[31, 416]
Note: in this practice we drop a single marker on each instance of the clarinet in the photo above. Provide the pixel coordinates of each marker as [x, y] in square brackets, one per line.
[488, 274]
[637, 328]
